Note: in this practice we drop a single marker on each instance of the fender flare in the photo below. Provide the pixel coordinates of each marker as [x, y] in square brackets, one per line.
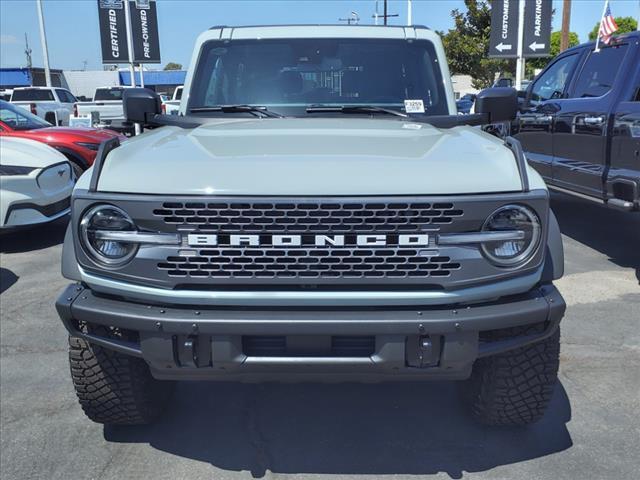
[69, 263]
[554, 258]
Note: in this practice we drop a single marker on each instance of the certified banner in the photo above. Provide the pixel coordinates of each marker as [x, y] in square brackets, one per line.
[113, 31]
[144, 29]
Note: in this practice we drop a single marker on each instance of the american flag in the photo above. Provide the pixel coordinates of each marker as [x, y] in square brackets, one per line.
[607, 26]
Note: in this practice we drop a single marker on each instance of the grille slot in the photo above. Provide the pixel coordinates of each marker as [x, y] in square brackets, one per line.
[309, 263]
[309, 217]
[336, 346]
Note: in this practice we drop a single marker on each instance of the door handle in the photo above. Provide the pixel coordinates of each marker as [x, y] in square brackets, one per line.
[593, 121]
[537, 119]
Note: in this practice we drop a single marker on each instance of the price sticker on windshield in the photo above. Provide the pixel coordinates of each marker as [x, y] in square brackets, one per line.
[414, 106]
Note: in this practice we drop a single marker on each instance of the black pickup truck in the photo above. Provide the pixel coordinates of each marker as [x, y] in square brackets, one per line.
[580, 122]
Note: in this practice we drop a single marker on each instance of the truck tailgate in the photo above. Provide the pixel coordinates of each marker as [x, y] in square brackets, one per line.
[107, 110]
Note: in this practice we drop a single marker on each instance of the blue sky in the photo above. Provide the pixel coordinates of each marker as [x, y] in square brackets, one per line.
[72, 25]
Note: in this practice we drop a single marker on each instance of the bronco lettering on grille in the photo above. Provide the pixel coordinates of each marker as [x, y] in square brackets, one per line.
[210, 240]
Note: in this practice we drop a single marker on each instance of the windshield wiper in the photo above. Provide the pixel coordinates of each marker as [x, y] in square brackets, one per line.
[354, 109]
[253, 109]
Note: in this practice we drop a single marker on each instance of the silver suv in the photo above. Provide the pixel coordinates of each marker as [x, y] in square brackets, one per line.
[318, 212]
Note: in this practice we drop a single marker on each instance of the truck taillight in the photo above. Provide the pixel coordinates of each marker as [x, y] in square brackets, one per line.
[163, 107]
[33, 109]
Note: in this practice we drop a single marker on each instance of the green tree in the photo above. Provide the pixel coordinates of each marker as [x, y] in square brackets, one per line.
[625, 24]
[173, 66]
[467, 45]
[554, 49]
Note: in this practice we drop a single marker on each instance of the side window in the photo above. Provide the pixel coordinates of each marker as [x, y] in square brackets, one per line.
[552, 82]
[64, 96]
[61, 95]
[599, 72]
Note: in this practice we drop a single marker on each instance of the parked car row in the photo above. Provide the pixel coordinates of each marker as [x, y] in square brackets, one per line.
[58, 105]
[39, 164]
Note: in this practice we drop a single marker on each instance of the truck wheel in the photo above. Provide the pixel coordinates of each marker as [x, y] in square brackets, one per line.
[114, 388]
[515, 387]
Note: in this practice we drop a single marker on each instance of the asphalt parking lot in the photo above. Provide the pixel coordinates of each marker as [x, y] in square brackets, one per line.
[227, 431]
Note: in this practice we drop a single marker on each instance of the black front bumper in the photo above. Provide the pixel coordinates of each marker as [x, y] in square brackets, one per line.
[191, 343]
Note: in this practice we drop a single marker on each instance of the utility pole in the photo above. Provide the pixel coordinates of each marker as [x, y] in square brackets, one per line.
[27, 51]
[386, 15]
[409, 13]
[566, 20]
[43, 39]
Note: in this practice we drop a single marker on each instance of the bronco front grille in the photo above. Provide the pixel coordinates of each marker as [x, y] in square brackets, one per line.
[309, 217]
[309, 263]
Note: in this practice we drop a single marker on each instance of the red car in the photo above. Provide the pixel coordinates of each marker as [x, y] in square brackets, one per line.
[79, 145]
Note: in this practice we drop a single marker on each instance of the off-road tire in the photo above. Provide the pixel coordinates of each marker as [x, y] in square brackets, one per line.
[114, 388]
[515, 387]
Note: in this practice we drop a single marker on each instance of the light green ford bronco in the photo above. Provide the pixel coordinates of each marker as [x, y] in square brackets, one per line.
[315, 212]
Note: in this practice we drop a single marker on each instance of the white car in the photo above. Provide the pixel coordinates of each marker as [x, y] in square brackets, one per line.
[172, 106]
[35, 183]
[53, 104]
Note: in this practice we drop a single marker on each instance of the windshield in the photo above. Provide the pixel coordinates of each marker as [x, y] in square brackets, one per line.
[108, 94]
[298, 73]
[19, 119]
[32, 95]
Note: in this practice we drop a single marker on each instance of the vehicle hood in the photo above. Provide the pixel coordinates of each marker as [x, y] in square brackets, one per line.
[311, 156]
[22, 152]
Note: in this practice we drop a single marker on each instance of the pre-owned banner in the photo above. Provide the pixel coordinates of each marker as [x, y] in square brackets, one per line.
[113, 31]
[144, 28]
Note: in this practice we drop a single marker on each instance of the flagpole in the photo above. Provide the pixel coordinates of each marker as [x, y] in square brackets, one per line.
[604, 10]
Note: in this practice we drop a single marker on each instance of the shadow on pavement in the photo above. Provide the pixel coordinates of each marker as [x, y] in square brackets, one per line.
[7, 279]
[34, 238]
[611, 232]
[405, 428]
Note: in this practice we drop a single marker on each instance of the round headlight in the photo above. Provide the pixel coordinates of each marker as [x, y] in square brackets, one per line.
[95, 225]
[512, 253]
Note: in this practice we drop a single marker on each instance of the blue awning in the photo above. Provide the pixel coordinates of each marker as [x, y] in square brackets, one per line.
[161, 77]
[15, 77]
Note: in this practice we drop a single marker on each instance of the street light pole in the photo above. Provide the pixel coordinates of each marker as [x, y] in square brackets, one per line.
[566, 20]
[127, 21]
[409, 13]
[43, 40]
[520, 60]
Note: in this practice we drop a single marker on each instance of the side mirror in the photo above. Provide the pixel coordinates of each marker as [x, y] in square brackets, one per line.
[140, 105]
[500, 103]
